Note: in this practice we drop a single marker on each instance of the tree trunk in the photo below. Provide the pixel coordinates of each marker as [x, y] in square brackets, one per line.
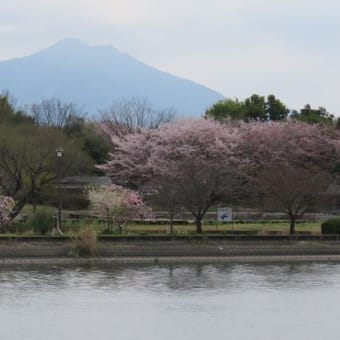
[33, 197]
[199, 226]
[109, 224]
[17, 208]
[292, 226]
[108, 220]
[171, 216]
[171, 227]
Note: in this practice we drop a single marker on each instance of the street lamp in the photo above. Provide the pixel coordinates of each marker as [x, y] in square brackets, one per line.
[59, 153]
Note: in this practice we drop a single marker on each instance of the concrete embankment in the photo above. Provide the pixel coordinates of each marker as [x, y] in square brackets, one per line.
[167, 248]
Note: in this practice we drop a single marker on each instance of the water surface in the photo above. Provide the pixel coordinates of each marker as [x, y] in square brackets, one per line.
[197, 302]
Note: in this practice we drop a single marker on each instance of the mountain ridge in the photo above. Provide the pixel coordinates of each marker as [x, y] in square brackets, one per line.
[93, 77]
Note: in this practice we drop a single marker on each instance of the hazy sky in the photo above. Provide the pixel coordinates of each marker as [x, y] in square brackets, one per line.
[237, 47]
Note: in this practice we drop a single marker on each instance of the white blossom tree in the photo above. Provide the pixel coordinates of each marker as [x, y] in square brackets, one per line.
[6, 207]
[117, 204]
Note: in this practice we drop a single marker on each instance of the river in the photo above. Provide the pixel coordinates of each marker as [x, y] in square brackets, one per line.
[171, 302]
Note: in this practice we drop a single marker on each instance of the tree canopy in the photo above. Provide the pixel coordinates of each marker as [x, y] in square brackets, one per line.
[288, 165]
[282, 166]
[254, 108]
[10, 115]
[265, 109]
[28, 144]
[117, 204]
[28, 161]
[313, 116]
[188, 161]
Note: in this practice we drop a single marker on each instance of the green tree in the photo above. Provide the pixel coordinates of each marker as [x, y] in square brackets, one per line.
[255, 108]
[8, 113]
[94, 143]
[227, 109]
[275, 109]
[251, 109]
[314, 116]
[96, 146]
[6, 109]
[71, 121]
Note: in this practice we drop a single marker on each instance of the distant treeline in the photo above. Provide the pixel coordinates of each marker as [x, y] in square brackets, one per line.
[268, 108]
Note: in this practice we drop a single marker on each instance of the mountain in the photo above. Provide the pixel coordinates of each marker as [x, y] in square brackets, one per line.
[94, 77]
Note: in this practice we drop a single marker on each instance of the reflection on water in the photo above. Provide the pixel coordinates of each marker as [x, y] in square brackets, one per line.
[217, 301]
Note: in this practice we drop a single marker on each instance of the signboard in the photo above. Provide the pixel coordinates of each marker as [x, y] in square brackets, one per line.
[224, 214]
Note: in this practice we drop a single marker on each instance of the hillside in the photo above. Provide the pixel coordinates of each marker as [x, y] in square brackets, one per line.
[94, 77]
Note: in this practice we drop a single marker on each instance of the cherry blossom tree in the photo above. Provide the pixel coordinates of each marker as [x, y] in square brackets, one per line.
[117, 204]
[129, 165]
[284, 166]
[6, 207]
[167, 197]
[288, 166]
[193, 157]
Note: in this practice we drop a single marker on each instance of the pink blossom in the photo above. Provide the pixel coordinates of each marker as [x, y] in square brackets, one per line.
[117, 204]
[288, 165]
[192, 159]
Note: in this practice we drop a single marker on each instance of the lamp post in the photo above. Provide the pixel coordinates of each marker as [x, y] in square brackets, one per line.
[59, 153]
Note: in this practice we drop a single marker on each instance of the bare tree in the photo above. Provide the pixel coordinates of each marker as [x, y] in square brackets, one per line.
[54, 113]
[130, 115]
[28, 161]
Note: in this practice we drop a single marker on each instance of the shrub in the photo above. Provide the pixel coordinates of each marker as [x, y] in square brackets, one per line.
[86, 242]
[69, 200]
[21, 227]
[110, 232]
[331, 226]
[42, 222]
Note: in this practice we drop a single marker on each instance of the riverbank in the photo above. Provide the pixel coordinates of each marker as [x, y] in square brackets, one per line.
[172, 249]
[68, 261]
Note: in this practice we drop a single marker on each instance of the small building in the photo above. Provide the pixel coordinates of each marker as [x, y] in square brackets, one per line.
[74, 189]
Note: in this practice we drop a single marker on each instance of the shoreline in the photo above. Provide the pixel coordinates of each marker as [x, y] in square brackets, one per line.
[125, 251]
[168, 260]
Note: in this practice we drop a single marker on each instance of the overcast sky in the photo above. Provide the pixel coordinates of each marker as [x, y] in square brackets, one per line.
[290, 48]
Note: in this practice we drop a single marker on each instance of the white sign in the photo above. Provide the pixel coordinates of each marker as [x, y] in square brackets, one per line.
[224, 214]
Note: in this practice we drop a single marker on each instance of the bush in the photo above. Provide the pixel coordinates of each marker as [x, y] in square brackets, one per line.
[86, 242]
[21, 227]
[111, 232]
[331, 226]
[42, 222]
[69, 200]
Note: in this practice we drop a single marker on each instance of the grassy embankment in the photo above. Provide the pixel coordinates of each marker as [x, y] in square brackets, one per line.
[72, 227]
[281, 228]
